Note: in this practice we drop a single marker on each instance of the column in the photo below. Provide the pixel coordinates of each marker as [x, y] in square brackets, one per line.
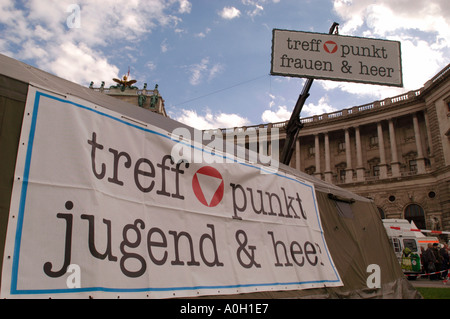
[383, 166]
[297, 154]
[328, 172]
[348, 155]
[395, 164]
[360, 170]
[419, 160]
[317, 156]
[427, 125]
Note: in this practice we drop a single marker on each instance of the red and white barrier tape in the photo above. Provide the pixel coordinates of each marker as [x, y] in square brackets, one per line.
[437, 232]
[445, 280]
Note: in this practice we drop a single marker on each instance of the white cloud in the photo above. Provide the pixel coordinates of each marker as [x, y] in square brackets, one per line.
[322, 107]
[151, 65]
[229, 13]
[203, 70]
[203, 34]
[185, 6]
[422, 27]
[197, 71]
[226, 120]
[280, 115]
[200, 35]
[257, 7]
[37, 31]
[100, 23]
[32, 50]
[210, 120]
[420, 62]
[215, 70]
[79, 64]
[164, 46]
[387, 17]
[42, 33]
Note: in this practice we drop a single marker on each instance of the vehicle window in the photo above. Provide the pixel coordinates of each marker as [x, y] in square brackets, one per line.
[411, 244]
[396, 244]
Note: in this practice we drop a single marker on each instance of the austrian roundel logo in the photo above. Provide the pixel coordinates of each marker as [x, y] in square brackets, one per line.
[330, 46]
[208, 186]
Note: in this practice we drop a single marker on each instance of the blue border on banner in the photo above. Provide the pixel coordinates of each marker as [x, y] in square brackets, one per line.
[22, 204]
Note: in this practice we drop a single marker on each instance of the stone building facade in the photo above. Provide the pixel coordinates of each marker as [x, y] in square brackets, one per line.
[395, 151]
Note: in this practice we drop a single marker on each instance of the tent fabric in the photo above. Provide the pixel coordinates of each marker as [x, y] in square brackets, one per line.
[13, 95]
[355, 240]
[354, 244]
[344, 209]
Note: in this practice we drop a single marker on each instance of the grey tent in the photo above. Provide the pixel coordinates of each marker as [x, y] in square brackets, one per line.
[351, 224]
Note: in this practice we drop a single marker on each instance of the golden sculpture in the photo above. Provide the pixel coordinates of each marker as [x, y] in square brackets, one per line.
[124, 83]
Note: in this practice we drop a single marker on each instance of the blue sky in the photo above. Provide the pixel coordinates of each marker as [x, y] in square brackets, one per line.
[211, 59]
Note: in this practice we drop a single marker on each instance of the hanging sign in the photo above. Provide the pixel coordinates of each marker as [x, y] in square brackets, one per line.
[335, 57]
[99, 208]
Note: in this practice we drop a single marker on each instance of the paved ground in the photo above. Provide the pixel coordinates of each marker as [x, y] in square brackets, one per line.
[425, 282]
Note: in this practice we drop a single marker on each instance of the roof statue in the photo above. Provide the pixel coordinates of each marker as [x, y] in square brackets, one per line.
[154, 97]
[124, 82]
[141, 99]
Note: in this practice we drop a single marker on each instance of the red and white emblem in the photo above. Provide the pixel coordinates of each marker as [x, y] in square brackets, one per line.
[330, 46]
[208, 186]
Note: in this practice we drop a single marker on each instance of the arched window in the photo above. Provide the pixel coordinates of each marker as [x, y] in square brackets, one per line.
[415, 213]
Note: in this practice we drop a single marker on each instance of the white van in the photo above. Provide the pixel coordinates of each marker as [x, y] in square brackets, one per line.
[406, 245]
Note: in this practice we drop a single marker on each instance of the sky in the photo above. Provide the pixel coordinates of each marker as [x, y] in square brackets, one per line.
[211, 59]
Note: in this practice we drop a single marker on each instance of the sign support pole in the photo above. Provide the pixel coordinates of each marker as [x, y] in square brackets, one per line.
[294, 125]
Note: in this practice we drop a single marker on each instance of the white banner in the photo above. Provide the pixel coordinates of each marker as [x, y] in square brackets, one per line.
[336, 57]
[99, 209]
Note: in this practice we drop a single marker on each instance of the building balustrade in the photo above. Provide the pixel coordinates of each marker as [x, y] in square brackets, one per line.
[338, 114]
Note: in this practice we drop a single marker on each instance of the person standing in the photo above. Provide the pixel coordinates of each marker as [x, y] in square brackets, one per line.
[431, 261]
[424, 261]
[438, 261]
[445, 260]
